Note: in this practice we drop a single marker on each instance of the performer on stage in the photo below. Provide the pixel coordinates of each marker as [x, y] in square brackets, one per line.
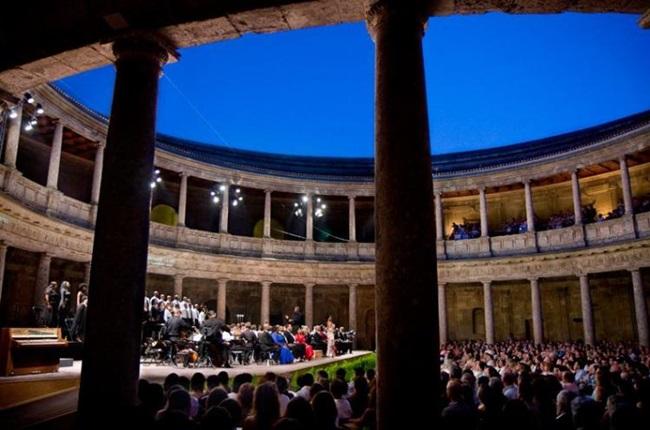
[331, 348]
[285, 356]
[52, 300]
[212, 330]
[297, 318]
[79, 326]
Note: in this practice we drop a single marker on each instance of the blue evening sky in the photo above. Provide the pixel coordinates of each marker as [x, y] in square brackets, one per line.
[491, 80]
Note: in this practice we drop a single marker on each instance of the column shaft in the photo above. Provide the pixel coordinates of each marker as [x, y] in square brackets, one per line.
[266, 302]
[225, 205]
[55, 157]
[442, 312]
[440, 234]
[489, 312]
[42, 278]
[182, 200]
[640, 309]
[530, 211]
[405, 252]
[352, 219]
[178, 285]
[120, 246]
[577, 201]
[309, 305]
[587, 312]
[352, 307]
[536, 306]
[626, 186]
[309, 229]
[267, 214]
[97, 173]
[3, 260]
[87, 267]
[221, 299]
[482, 199]
[13, 137]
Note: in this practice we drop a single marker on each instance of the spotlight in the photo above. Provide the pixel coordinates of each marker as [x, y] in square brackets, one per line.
[215, 199]
[13, 114]
[157, 171]
[29, 99]
[39, 109]
[152, 185]
[318, 200]
[237, 191]
[29, 127]
[305, 199]
[158, 179]
[222, 188]
[33, 121]
[240, 198]
[235, 202]
[323, 206]
[295, 205]
[212, 193]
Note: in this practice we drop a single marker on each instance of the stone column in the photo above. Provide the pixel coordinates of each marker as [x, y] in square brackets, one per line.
[352, 307]
[536, 306]
[405, 252]
[352, 219]
[309, 305]
[482, 199]
[587, 312]
[87, 267]
[97, 173]
[267, 213]
[442, 312]
[309, 229]
[530, 211]
[488, 312]
[13, 137]
[221, 298]
[120, 246]
[266, 302]
[640, 308]
[55, 157]
[182, 200]
[178, 285]
[626, 186]
[225, 204]
[42, 278]
[440, 234]
[577, 201]
[3, 260]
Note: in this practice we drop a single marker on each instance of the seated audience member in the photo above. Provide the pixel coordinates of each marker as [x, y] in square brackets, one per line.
[266, 408]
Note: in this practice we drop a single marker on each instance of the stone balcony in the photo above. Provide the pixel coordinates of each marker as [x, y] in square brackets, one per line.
[56, 205]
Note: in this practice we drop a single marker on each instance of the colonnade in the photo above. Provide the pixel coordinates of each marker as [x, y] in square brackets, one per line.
[641, 312]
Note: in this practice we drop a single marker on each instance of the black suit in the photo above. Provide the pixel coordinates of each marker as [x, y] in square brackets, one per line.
[174, 328]
[297, 349]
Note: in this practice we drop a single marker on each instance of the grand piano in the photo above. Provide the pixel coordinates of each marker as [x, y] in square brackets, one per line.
[25, 351]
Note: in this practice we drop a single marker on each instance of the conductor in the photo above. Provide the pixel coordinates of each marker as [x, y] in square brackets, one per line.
[297, 318]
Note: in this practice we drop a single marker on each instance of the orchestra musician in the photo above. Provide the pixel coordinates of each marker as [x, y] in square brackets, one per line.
[212, 330]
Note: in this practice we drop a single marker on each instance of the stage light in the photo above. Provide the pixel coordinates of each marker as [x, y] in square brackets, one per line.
[33, 121]
[157, 172]
[13, 114]
[237, 191]
[240, 198]
[305, 199]
[323, 206]
[212, 193]
[318, 200]
[222, 188]
[39, 109]
[235, 202]
[29, 99]
[215, 199]
[29, 127]
[295, 205]
[159, 179]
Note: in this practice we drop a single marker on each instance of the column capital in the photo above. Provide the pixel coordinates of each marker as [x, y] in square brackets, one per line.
[266, 283]
[352, 197]
[144, 44]
[634, 269]
[183, 173]
[442, 284]
[353, 284]
[379, 11]
[3, 244]
[309, 284]
[437, 193]
[533, 279]
[46, 255]
[486, 283]
[481, 189]
[222, 281]
[100, 145]
[179, 276]
[622, 158]
[267, 191]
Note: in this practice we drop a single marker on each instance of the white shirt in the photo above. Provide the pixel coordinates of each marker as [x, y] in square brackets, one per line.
[284, 401]
[304, 392]
[227, 337]
[344, 410]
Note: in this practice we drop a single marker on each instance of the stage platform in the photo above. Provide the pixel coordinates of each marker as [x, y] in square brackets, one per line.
[30, 399]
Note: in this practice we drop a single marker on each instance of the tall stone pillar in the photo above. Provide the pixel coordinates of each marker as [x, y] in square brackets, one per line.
[87, 267]
[309, 229]
[13, 137]
[120, 246]
[266, 302]
[352, 307]
[530, 211]
[577, 201]
[482, 200]
[97, 173]
[640, 308]
[3, 261]
[488, 312]
[309, 305]
[267, 213]
[626, 186]
[352, 219]
[405, 252]
[55, 157]
[442, 312]
[178, 285]
[42, 278]
[182, 200]
[587, 311]
[221, 298]
[440, 234]
[225, 205]
[536, 306]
